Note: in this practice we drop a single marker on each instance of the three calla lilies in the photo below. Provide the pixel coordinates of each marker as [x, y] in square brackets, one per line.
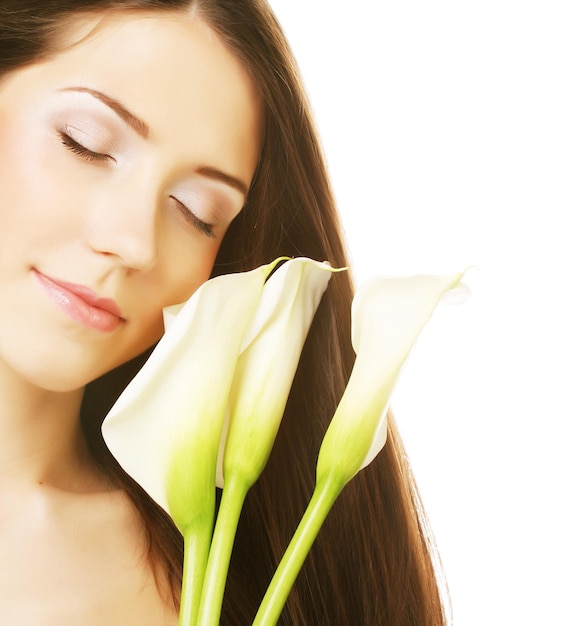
[206, 407]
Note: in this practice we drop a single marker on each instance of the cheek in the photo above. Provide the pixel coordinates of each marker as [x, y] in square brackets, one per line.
[34, 189]
[149, 333]
[187, 262]
[20, 198]
[12, 163]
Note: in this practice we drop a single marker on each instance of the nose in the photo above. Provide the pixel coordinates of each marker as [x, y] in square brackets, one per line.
[124, 225]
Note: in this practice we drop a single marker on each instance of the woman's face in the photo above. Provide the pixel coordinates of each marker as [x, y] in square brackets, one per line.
[122, 162]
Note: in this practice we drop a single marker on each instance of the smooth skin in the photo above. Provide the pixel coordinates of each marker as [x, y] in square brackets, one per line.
[123, 161]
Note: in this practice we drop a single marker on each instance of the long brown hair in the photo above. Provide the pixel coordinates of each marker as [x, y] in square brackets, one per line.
[374, 561]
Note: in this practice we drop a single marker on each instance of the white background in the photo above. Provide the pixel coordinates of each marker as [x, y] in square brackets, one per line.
[441, 121]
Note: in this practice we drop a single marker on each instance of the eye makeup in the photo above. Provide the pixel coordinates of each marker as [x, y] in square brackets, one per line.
[94, 128]
[204, 227]
[74, 146]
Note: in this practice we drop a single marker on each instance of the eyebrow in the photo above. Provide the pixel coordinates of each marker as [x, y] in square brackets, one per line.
[214, 174]
[142, 129]
[129, 118]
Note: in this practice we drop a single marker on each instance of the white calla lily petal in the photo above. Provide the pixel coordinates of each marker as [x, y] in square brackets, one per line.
[266, 367]
[387, 317]
[379, 441]
[262, 381]
[165, 427]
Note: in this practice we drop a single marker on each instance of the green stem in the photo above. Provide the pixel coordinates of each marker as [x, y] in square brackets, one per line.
[197, 543]
[233, 496]
[291, 563]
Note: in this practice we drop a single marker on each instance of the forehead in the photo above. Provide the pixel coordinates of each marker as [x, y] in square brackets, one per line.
[171, 69]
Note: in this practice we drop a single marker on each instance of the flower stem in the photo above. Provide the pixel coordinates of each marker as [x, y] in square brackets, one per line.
[325, 494]
[233, 496]
[196, 542]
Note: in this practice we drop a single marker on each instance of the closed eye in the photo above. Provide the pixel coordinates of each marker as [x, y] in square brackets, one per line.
[204, 227]
[82, 151]
[98, 157]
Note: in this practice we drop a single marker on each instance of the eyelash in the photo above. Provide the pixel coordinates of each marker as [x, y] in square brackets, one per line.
[82, 151]
[91, 156]
[204, 227]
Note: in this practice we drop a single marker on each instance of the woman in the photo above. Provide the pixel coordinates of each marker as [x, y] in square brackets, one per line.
[146, 145]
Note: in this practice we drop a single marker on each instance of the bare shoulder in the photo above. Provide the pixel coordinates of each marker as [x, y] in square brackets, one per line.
[121, 557]
[80, 558]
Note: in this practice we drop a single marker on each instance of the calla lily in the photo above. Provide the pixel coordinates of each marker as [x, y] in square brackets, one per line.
[268, 362]
[258, 397]
[387, 317]
[165, 428]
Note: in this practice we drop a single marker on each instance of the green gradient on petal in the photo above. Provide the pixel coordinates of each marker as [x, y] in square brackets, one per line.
[388, 316]
[260, 389]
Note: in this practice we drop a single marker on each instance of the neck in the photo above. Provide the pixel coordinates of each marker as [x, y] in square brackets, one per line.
[41, 441]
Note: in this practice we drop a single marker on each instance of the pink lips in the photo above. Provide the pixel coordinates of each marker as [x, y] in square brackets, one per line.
[82, 304]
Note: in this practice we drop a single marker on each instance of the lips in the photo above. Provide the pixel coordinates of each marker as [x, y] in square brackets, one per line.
[81, 303]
